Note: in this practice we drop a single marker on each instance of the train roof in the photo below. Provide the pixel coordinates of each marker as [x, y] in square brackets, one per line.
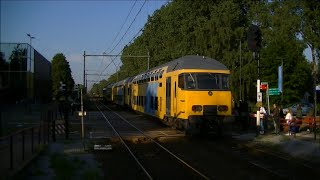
[185, 62]
[122, 82]
[110, 85]
[194, 62]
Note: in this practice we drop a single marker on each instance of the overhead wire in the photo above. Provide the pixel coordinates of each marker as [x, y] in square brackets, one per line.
[122, 25]
[134, 37]
[112, 59]
[117, 37]
[129, 26]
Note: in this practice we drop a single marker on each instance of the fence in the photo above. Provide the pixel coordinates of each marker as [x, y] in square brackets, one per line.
[17, 149]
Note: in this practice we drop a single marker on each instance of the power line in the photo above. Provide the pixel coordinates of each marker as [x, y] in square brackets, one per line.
[122, 25]
[134, 37]
[112, 60]
[129, 26]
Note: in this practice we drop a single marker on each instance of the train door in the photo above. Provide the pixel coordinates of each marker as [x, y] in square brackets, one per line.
[129, 94]
[174, 103]
[124, 95]
[168, 96]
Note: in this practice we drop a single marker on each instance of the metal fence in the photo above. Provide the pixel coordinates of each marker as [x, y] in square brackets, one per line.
[18, 148]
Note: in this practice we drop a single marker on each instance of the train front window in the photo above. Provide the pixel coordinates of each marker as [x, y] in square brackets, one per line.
[212, 81]
[190, 81]
[225, 81]
[205, 81]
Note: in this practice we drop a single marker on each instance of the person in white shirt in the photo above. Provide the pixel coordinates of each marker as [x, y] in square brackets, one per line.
[288, 118]
[263, 114]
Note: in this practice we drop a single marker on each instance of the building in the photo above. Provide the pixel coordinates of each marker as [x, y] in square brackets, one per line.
[25, 75]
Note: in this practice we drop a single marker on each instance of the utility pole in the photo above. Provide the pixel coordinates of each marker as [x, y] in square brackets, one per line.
[30, 58]
[240, 73]
[84, 69]
[148, 60]
[315, 100]
[82, 114]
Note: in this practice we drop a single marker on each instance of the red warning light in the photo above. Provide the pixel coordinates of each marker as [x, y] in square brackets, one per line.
[263, 87]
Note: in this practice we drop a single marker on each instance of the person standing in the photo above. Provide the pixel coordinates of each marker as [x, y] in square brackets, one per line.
[298, 118]
[263, 114]
[276, 119]
[289, 121]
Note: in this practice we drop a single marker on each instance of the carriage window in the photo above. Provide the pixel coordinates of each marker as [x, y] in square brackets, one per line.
[181, 81]
[161, 73]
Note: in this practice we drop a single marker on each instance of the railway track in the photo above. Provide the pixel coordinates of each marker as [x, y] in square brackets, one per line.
[154, 160]
[218, 159]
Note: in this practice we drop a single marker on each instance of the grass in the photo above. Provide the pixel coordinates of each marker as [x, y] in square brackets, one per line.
[66, 167]
[91, 174]
[62, 166]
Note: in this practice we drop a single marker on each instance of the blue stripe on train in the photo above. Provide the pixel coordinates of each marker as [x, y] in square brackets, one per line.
[152, 92]
[120, 99]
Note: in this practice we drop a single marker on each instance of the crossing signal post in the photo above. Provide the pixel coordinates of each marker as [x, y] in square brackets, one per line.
[254, 38]
[254, 44]
[65, 107]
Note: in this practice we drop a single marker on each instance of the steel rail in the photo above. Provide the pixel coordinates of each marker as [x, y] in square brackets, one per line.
[168, 151]
[132, 154]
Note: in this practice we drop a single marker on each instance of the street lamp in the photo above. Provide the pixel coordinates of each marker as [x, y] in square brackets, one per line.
[30, 59]
[31, 37]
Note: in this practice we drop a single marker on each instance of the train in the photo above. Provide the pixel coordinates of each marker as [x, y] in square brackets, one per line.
[191, 93]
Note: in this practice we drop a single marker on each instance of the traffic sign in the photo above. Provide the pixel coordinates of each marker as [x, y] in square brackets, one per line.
[273, 91]
[259, 97]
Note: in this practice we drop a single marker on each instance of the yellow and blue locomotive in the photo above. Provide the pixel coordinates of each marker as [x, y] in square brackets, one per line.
[190, 93]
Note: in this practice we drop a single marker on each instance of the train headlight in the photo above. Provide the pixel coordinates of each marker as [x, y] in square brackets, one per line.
[222, 108]
[196, 108]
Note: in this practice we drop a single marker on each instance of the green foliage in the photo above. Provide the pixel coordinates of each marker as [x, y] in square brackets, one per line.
[91, 174]
[64, 169]
[61, 72]
[216, 28]
[97, 89]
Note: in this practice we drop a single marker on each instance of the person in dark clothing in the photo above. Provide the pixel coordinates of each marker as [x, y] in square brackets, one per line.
[276, 119]
[243, 111]
[298, 119]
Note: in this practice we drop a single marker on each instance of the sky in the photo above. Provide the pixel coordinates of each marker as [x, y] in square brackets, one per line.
[72, 27]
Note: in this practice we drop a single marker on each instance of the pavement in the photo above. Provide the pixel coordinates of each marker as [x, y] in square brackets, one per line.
[301, 146]
[63, 159]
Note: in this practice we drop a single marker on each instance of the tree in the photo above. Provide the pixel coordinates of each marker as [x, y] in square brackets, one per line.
[280, 22]
[61, 72]
[216, 28]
